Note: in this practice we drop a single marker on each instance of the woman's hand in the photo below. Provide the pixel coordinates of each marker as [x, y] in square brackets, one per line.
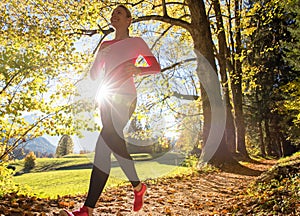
[132, 69]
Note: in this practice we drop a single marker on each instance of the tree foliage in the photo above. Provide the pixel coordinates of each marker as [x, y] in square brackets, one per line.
[267, 73]
[39, 67]
[293, 46]
[6, 182]
[65, 146]
[292, 88]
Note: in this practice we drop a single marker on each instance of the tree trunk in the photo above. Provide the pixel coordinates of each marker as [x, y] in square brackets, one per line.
[230, 130]
[261, 139]
[237, 88]
[267, 137]
[215, 150]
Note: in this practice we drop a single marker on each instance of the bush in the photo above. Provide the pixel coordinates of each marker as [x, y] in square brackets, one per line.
[190, 161]
[275, 192]
[6, 183]
[30, 161]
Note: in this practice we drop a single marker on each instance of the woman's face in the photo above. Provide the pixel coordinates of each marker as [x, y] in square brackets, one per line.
[119, 18]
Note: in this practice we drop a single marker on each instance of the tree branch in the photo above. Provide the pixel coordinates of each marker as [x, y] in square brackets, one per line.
[185, 97]
[160, 36]
[178, 63]
[8, 83]
[169, 20]
[165, 12]
[182, 114]
[16, 143]
[171, 3]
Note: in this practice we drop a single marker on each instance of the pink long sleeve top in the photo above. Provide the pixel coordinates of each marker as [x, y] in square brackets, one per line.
[114, 55]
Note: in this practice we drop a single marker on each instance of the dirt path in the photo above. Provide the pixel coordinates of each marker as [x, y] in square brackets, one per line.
[197, 194]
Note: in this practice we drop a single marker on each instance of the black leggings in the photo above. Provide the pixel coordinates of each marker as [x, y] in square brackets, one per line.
[115, 113]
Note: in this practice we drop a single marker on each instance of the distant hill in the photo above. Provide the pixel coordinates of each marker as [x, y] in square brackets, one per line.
[40, 146]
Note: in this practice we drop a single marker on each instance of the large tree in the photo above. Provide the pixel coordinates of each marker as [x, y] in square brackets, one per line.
[192, 17]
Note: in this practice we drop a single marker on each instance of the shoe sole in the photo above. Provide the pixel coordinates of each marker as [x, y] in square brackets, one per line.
[63, 213]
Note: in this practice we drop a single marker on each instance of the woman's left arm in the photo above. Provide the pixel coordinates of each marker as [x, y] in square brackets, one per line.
[153, 65]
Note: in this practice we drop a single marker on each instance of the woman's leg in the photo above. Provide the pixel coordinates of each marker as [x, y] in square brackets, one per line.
[111, 140]
[100, 172]
[121, 113]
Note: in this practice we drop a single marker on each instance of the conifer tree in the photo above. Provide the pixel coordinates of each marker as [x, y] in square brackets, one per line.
[65, 146]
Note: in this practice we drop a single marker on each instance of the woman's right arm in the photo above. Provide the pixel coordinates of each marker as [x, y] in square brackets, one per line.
[98, 62]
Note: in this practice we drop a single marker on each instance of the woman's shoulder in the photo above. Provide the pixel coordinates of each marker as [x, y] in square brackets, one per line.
[107, 43]
[136, 41]
[136, 38]
[130, 38]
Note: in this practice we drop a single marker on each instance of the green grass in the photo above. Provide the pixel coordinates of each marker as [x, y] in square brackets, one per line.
[47, 164]
[44, 181]
[67, 162]
[53, 183]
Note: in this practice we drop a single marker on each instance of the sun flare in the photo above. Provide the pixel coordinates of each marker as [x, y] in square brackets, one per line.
[103, 93]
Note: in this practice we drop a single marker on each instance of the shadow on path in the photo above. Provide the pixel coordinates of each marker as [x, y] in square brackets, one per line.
[249, 167]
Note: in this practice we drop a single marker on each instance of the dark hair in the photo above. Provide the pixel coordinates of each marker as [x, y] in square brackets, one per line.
[128, 13]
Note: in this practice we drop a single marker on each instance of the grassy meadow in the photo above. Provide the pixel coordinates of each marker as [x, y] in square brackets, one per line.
[70, 175]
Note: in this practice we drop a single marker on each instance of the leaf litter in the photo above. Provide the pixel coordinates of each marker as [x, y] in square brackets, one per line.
[214, 193]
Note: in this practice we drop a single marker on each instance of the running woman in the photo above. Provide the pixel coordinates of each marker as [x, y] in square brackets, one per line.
[117, 57]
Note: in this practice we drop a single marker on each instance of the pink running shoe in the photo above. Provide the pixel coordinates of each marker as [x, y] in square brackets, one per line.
[83, 211]
[139, 198]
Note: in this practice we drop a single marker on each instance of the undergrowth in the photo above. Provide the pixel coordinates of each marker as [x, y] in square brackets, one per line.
[276, 192]
[7, 185]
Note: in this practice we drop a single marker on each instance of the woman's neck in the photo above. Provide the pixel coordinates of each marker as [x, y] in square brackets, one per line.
[121, 34]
